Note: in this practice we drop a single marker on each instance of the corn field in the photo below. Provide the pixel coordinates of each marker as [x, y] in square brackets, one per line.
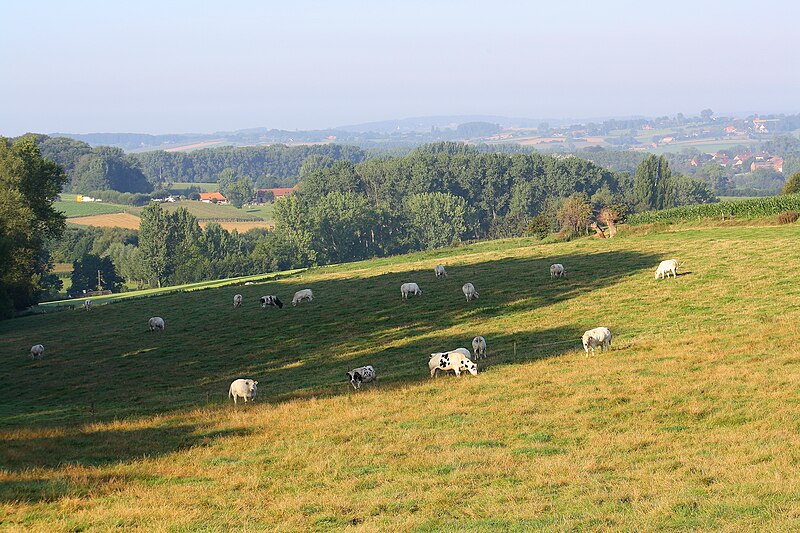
[746, 209]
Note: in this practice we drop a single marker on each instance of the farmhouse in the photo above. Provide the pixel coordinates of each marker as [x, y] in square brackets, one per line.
[210, 197]
[262, 195]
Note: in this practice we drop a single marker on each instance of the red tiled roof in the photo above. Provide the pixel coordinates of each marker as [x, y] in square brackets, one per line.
[212, 196]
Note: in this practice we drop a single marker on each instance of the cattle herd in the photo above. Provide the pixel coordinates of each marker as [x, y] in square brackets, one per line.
[458, 360]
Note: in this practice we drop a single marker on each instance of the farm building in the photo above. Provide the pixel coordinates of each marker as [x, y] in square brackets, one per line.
[210, 197]
[262, 195]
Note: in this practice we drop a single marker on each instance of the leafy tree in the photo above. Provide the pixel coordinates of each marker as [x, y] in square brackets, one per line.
[237, 189]
[28, 186]
[436, 219]
[688, 191]
[108, 168]
[650, 182]
[85, 273]
[154, 243]
[706, 115]
[575, 214]
[792, 185]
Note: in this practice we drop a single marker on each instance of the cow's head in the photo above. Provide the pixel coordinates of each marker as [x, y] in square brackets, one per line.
[470, 367]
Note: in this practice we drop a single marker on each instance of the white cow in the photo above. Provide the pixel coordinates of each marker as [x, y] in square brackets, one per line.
[301, 295]
[479, 347]
[243, 388]
[463, 351]
[596, 337]
[409, 288]
[557, 271]
[362, 374]
[440, 271]
[665, 267]
[88, 304]
[37, 351]
[237, 300]
[156, 323]
[469, 291]
[455, 361]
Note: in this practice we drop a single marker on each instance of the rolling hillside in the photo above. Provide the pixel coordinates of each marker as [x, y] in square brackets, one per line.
[689, 422]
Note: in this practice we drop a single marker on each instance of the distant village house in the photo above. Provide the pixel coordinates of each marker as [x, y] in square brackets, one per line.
[212, 197]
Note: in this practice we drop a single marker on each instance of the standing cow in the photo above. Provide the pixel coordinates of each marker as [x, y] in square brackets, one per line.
[237, 300]
[469, 291]
[409, 288]
[597, 337]
[440, 271]
[243, 388]
[37, 351]
[301, 295]
[557, 271]
[271, 300]
[156, 323]
[479, 347]
[362, 374]
[455, 361]
[88, 304]
[667, 267]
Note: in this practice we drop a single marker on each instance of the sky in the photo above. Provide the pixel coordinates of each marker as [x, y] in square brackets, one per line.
[195, 66]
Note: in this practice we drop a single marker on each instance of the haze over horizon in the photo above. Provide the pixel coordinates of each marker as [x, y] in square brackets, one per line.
[204, 67]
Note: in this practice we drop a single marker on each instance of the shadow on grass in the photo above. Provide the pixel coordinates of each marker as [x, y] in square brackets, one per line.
[293, 352]
[104, 447]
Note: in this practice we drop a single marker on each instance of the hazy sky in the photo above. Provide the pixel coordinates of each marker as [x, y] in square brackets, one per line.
[195, 66]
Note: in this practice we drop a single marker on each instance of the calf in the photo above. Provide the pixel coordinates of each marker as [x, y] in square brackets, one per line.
[37, 351]
[455, 361]
[243, 388]
[409, 288]
[271, 300]
[596, 337]
[362, 374]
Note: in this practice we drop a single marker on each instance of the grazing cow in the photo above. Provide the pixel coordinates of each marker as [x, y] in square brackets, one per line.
[88, 304]
[469, 291]
[362, 374]
[156, 323]
[440, 271]
[304, 294]
[455, 361]
[596, 337]
[463, 351]
[665, 267]
[37, 351]
[244, 388]
[479, 347]
[557, 271]
[237, 301]
[409, 288]
[271, 300]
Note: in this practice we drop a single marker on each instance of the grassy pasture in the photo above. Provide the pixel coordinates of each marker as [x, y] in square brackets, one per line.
[72, 209]
[689, 422]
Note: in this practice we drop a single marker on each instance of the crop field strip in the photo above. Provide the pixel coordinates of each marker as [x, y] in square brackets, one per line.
[688, 422]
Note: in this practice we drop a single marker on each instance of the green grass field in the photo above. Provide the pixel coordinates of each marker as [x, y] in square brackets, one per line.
[205, 211]
[264, 211]
[689, 422]
[72, 209]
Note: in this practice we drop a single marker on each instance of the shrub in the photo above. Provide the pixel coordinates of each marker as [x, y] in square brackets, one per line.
[788, 217]
[539, 226]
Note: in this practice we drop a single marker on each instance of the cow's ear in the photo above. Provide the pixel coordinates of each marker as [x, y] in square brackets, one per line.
[255, 383]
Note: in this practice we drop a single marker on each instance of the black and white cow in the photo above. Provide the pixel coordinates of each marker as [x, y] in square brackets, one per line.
[362, 374]
[271, 300]
[455, 361]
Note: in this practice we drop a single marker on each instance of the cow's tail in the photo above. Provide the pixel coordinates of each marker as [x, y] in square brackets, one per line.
[230, 391]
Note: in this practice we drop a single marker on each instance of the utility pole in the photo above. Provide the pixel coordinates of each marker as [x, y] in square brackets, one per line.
[99, 286]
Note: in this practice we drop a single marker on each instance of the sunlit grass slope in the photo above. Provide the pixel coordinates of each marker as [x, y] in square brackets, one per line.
[691, 421]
